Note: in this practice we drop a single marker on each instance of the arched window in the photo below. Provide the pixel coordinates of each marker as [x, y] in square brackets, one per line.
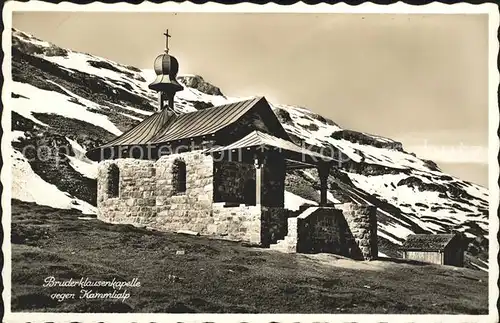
[113, 181]
[179, 176]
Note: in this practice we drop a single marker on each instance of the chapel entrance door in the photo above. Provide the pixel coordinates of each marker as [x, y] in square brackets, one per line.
[249, 192]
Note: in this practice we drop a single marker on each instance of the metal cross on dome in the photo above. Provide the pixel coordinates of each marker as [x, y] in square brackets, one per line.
[167, 35]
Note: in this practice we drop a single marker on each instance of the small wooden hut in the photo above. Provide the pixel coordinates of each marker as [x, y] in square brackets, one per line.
[443, 249]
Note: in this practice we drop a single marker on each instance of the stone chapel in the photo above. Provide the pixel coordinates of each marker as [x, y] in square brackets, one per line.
[221, 172]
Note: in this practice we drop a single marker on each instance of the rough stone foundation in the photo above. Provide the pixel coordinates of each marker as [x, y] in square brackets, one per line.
[236, 223]
[274, 223]
[348, 230]
[362, 223]
[234, 182]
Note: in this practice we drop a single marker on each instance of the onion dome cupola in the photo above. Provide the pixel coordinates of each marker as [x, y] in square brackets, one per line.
[166, 68]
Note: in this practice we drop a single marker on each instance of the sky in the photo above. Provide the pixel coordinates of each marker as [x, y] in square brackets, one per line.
[418, 79]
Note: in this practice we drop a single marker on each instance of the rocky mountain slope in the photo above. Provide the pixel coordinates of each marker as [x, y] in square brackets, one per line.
[71, 102]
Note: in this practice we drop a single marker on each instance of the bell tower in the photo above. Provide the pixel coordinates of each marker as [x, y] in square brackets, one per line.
[166, 68]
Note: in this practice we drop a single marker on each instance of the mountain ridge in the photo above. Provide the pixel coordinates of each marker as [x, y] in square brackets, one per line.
[73, 102]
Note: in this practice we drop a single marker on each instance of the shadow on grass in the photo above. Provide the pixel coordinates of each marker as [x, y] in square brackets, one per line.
[404, 261]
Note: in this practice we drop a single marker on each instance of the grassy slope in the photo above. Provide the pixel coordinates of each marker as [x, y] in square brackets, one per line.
[218, 276]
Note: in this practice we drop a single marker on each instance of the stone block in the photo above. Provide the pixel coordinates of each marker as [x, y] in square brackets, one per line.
[222, 228]
[254, 237]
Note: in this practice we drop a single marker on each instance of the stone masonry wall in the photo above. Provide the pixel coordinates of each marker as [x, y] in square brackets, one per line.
[350, 231]
[136, 200]
[233, 181]
[273, 185]
[236, 223]
[362, 223]
[146, 195]
[274, 223]
[191, 210]
[324, 229]
[327, 231]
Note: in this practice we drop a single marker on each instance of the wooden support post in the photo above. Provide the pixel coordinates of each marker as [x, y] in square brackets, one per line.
[323, 172]
[170, 98]
[159, 108]
[259, 174]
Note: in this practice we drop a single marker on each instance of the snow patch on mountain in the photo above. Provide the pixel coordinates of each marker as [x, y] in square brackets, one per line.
[80, 162]
[29, 187]
[42, 101]
[435, 213]
[17, 135]
[293, 202]
[330, 197]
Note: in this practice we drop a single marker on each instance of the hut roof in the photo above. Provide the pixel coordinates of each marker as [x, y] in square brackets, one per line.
[427, 242]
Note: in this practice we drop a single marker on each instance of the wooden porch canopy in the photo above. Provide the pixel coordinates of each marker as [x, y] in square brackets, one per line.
[296, 157]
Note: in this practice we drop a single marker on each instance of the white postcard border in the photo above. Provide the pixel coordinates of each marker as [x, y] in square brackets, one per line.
[366, 8]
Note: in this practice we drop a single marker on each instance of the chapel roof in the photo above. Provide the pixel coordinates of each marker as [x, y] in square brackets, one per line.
[145, 131]
[427, 242]
[164, 126]
[204, 122]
